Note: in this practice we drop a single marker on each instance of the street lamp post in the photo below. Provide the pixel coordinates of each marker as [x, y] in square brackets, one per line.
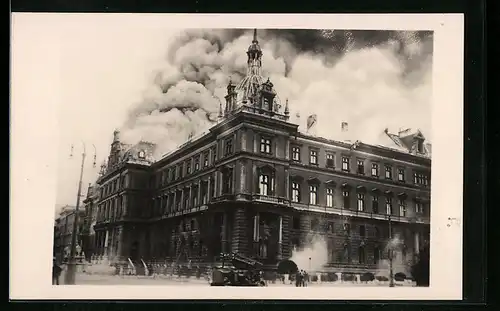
[391, 272]
[69, 277]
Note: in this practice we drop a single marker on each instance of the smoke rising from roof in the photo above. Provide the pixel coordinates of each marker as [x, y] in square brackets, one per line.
[370, 79]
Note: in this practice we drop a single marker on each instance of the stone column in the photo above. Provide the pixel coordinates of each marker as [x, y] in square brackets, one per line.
[174, 208]
[181, 206]
[243, 139]
[209, 188]
[255, 179]
[417, 242]
[239, 234]
[199, 193]
[256, 221]
[280, 237]
[224, 232]
[287, 183]
[287, 149]
[119, 251]
[124, 205]
[218, 178]
[242, 176]
[190, 196]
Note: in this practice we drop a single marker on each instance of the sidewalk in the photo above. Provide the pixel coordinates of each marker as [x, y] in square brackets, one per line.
[95, 279]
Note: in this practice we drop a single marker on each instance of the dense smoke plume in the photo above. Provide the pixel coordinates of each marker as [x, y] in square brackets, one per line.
[312, 257]
[370, 79]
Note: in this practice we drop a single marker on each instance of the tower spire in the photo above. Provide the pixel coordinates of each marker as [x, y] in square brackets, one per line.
[255, 36]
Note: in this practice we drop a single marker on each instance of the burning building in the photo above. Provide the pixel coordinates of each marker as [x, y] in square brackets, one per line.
[256, 185]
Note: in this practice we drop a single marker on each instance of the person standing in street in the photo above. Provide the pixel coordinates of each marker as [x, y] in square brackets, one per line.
[56, 272]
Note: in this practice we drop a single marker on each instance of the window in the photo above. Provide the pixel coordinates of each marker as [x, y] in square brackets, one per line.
[329, 197]
[142, 154]
[296, 223]
[420, 146]
[361, 202]
[361, 167]
[345, 164]
[347, 229]
[192, 226]
[402, 208]
[212, 188]
[186, 199]
[347, 254]
[375, 204]
[214, 156]
[265, 104]
[295, 153]
[181, 170]
[313, 157]
[227, 178]
[388, 205]
[197, 163]
[315, 224]
[388, 172]
[188, 167]
[377, 233]
[265, 145]
[330, 160]
[205, 159]
[362, 231]
[420, 179]
[331, 227]
[361, 254]
[204, 193]
[345, 196]
[313, 194]
[228, 147]
[265, 185]
[419, 207]
[295, 192]
[401, 174]
[374, 169]
[195, 197]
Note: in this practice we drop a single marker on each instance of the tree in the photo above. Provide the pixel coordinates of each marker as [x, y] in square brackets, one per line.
[420, 270]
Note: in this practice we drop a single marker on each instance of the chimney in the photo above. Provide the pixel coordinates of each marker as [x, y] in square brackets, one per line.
[344, 127]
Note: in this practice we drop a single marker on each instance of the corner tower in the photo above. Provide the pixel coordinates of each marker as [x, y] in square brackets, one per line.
[254, 93]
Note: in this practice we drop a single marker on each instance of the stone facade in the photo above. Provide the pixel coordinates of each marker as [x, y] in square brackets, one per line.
[255, 185]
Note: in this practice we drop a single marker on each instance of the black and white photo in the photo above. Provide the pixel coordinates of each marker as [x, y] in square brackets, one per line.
[222, 157]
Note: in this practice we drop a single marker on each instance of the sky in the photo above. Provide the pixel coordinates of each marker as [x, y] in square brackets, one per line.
[160, 84]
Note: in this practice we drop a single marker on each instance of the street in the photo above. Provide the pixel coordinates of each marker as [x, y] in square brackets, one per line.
[98, 279]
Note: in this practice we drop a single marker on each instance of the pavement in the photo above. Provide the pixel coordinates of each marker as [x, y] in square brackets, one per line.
[96, 279]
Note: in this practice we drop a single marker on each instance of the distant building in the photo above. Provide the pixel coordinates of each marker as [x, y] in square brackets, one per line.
[89, 220]
[63, 229]
[255, 185]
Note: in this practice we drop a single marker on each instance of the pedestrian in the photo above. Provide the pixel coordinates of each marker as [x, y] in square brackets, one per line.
[56, 272]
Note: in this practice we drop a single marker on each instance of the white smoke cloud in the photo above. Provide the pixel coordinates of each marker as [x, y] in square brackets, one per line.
[371, 88]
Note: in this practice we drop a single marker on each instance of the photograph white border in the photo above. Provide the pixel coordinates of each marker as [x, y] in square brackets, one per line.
[34, 137]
